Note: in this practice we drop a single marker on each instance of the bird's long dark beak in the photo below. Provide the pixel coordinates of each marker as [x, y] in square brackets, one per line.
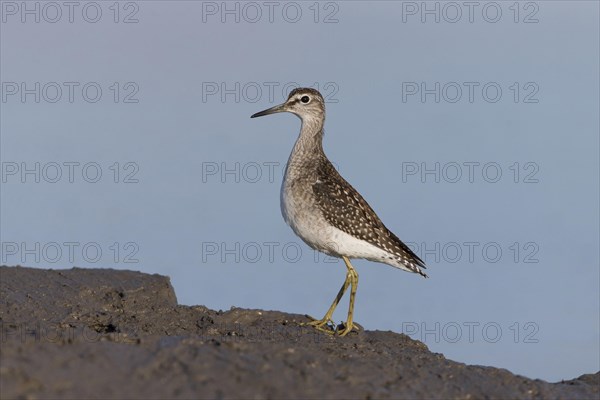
[272, 110]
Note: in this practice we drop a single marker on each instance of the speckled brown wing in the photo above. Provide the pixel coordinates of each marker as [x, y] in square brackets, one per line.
[343, 207]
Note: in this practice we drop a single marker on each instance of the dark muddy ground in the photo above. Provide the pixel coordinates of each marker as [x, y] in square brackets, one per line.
[101, 333]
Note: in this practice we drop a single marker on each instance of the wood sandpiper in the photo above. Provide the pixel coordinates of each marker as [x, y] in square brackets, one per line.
[326, 212]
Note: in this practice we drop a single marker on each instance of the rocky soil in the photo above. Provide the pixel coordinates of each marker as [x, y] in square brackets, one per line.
[102, 333]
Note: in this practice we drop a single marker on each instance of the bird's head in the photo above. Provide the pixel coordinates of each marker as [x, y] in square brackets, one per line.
[306, 103]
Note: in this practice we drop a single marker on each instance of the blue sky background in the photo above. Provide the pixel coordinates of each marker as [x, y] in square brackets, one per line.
[196, 196]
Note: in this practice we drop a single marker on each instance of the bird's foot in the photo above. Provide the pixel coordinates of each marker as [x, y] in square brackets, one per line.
[344, 328]
[324, 325]
[327, 325]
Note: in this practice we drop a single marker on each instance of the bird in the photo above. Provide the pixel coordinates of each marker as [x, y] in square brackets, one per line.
[327, 213]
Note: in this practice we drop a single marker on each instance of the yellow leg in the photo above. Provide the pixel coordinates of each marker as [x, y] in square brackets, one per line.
[320, 323]
[354, 285]
[352, 281]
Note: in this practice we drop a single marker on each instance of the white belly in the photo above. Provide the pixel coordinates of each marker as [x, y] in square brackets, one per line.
[306, 221]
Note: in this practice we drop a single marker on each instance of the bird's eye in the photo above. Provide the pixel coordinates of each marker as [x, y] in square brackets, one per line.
[305, 99]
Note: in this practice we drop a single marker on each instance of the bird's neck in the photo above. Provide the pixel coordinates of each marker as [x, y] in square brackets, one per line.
[308, 150]
[310, 140]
